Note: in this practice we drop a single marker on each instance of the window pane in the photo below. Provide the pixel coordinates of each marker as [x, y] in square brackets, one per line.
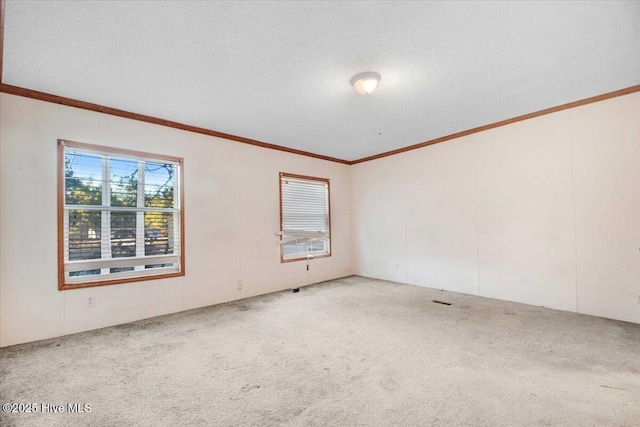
[123, 234]
[148, 267]
[120, 269]
[158, 185]
[124, 182]
[158, 233]
[83, 179]
[84, 273]
[305, 210]
[132, 233]
[84, 235]
[303, 246]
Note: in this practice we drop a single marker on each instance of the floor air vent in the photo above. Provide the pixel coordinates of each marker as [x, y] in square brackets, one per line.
[441, 302]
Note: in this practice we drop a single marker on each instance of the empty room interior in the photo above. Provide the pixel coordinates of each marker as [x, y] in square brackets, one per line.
[319, 213]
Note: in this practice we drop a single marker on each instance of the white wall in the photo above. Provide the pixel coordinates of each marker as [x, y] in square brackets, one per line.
[544, 212]
[231, 215]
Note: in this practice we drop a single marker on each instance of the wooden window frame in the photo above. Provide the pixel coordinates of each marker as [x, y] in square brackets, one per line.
[62, 144]
[311, 178]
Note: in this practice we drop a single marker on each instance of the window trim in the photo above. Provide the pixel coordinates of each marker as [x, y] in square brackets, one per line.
[62, 143]
[311, 178]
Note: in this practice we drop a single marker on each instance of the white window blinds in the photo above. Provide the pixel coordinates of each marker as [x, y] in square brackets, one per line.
[305, 227]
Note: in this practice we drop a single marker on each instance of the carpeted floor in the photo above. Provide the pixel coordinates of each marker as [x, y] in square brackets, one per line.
[347, 352]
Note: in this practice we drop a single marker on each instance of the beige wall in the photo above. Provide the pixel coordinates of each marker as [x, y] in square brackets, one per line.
[544, 212]
[231, 212]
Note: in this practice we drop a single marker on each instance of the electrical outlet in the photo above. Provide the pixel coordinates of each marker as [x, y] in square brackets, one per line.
[239, 285]
[91, 302]
[397, 266]
[638, 299]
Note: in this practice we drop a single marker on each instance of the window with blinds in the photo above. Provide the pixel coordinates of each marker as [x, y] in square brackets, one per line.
[305, 221]
[120, 216]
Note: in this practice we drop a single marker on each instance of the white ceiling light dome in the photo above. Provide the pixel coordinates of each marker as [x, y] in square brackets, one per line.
[366, 82]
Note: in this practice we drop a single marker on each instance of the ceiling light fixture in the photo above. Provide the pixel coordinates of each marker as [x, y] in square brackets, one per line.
[365, 83]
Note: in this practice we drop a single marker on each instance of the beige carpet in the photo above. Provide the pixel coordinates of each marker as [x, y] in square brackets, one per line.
[348, 352]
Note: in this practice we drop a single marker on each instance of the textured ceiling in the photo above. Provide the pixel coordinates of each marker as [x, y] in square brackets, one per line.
[279, 72]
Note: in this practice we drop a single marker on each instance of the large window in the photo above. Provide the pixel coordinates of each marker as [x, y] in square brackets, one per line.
[305, 220]
[119, 216]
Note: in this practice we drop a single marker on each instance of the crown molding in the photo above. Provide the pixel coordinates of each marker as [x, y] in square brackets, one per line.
[28, 93]
[598, 98]
[47, 97]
